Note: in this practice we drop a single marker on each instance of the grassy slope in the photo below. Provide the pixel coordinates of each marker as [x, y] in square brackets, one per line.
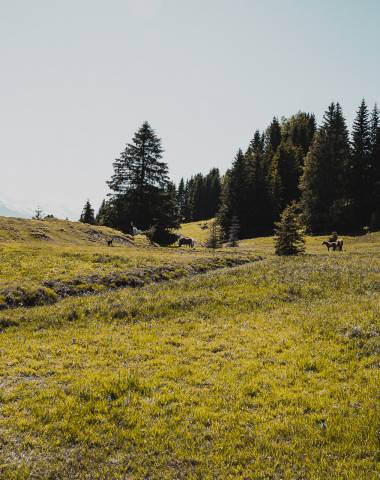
[57, 231]
[71, 258]
[195, 230]
[267, 371]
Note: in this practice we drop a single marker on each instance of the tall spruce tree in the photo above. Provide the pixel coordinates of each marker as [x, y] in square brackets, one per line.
[233, 234]
[273, 136]
[285, 176]
[375, 167]
[359, 171]
[259, 218]
[100, 214]
[198, 199]
[87, 215]
[234, 201]
[299, 130]
[188, 208]
[181, 199]
[213, 187]
[322, 183]
[140, 184]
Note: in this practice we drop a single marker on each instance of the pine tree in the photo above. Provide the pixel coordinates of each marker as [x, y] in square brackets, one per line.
[322, 184]
[299, 130]
[233, 235]
[213, 189]
[167, 217]
[181, 199]
[99, 218]
[273, 136]
[213, 240]
[234, 202]
[87, 215]
[198, 197]
[289, 238]
[259, 218]
[188, 208]
[140, 184]
[285, 176]
[375, 167]
[359, 174]
[256, 145]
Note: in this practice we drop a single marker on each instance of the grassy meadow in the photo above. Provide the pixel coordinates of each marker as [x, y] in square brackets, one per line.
[265, 370]
[71, 259]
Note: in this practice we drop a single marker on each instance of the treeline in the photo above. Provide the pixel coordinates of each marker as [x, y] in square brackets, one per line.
[332, 178]
[199, 197]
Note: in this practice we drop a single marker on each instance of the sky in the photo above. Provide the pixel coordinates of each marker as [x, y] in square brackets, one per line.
[78, 78]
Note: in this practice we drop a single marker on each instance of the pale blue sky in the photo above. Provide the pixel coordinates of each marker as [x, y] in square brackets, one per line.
[78, 77]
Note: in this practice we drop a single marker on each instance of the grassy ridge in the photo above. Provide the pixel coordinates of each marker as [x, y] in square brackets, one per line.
[57, 231]
[266, 371]
[53, 259]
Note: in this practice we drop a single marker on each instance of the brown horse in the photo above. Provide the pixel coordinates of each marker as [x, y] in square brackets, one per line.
[337, 245]
[186, 241]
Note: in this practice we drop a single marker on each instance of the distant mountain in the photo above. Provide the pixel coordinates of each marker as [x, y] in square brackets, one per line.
[5, 211]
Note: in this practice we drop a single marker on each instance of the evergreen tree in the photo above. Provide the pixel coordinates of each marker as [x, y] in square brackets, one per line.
[257, 144]
[198, 198]
[213, 189]
[322, 183]
[375, 167]
[140, 184]
[213, 240]
[87, 215]
[181, 199]
[235, 196]
[285, 176]
[289, 239]
[167, 216]
[260, 216]
[233, 235]
[359, 174]
[299, 130]
[188, 207]
[273, 136]
[99, 218]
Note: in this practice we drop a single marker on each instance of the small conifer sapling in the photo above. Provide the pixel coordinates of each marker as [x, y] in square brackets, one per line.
[289, 239]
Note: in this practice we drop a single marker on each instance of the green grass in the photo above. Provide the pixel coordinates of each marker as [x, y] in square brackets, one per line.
[265, 371]
[35, 272]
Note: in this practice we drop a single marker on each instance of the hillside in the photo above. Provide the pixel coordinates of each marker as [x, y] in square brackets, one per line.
[45, 261]
[56, 231]
[267, 370]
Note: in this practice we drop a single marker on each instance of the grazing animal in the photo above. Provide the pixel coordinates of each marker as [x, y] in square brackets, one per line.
[186, 241]
[337, 245]
[110, 242]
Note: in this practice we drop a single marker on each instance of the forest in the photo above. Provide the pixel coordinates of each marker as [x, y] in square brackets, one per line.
[331, 177]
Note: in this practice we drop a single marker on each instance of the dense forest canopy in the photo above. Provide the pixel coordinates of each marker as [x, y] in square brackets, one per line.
[331, 176]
